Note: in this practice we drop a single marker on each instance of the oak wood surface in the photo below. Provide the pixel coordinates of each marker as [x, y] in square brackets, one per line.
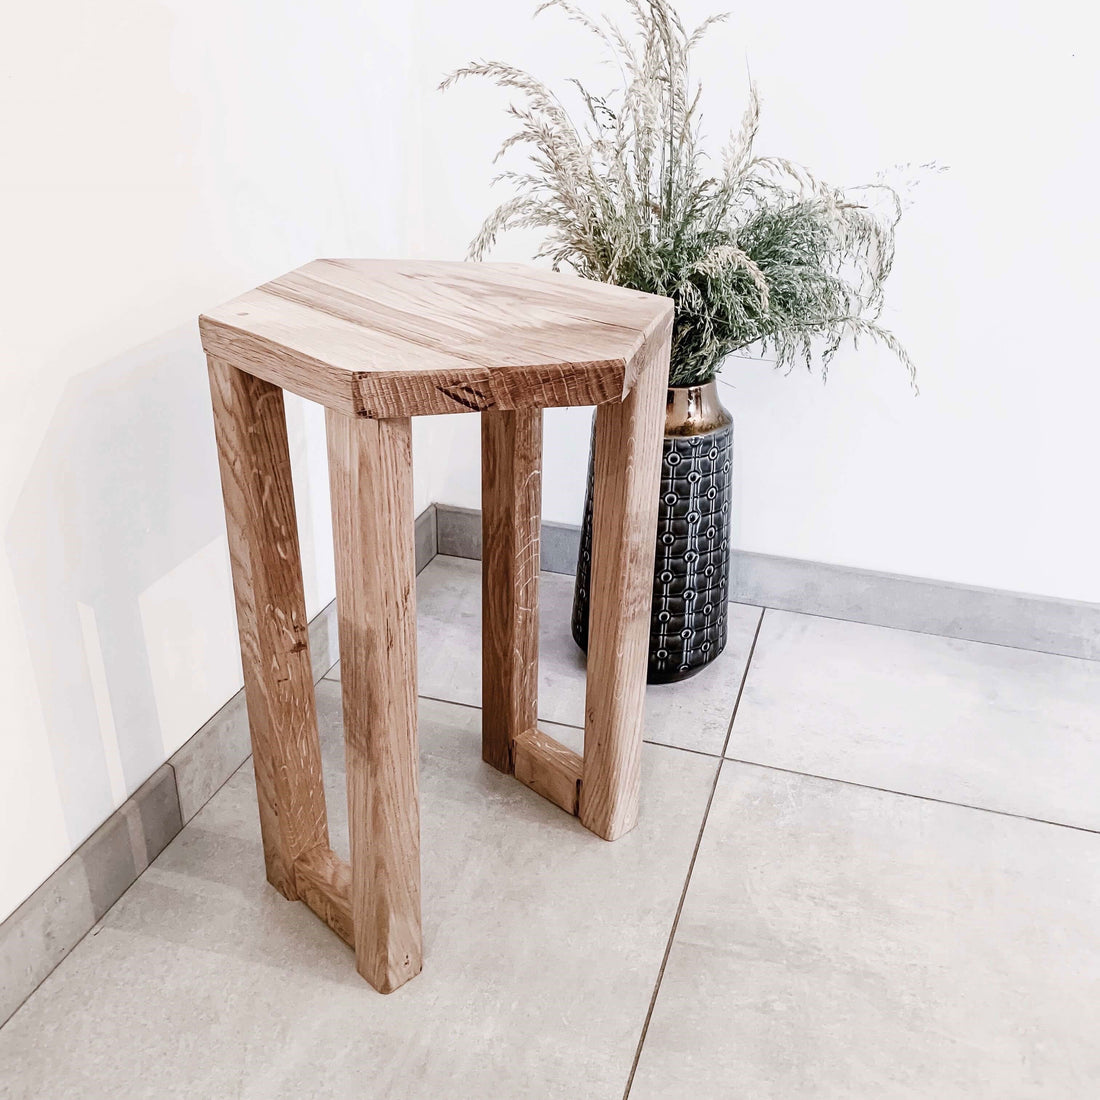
[394, 338]
[254, 457]
[370, 467]
[549, 768]
[627, 470]
[511, 501]
[324, 884]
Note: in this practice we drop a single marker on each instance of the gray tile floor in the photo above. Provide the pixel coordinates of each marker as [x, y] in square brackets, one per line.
[881, 881]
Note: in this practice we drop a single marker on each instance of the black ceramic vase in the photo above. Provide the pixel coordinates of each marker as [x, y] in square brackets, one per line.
[691, 569]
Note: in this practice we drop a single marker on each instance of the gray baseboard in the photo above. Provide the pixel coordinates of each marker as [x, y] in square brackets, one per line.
[53, 920]
[1041, 623]
[46, 927]
[458, 535]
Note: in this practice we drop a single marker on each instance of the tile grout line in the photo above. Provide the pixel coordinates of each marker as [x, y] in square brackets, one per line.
[549, 722]
[796, 771]
[691, 868]
[568, 725]
[911, 794]
[807, 775]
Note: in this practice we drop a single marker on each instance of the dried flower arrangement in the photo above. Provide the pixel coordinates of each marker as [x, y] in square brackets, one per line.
[761, 253]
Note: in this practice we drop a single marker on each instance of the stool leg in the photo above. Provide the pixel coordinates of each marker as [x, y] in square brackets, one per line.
[624, 509]
[511, 510]
[250, 425]
[370, 466]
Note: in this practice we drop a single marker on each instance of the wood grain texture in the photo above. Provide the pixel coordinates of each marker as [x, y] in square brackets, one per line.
[511, 501]
[549, 769]
[324, 884]
[390, 338]
[254, 457]
[370, 467]
[627, 471]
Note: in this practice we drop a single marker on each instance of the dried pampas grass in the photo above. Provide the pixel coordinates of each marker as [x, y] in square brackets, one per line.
[762, 253]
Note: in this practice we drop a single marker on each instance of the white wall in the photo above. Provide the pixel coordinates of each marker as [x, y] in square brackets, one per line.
[158, 158]
[988, 477]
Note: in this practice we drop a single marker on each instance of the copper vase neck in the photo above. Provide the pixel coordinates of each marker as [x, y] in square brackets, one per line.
[695, 410]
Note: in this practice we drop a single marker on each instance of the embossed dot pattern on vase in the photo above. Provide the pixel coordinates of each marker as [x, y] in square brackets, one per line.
[691, 567]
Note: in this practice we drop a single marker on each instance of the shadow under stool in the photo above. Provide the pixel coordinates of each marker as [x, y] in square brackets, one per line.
[378, 342]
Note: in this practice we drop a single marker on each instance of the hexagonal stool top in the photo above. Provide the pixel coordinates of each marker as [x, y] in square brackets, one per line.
[387, 338]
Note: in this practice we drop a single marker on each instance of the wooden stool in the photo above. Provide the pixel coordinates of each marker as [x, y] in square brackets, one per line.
[377, 342]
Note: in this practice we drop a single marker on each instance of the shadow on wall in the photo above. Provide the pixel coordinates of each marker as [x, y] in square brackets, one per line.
[118, 551]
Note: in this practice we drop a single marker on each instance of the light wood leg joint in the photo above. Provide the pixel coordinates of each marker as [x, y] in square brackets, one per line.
[549, 769]
[602, 787]
[324, 884]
